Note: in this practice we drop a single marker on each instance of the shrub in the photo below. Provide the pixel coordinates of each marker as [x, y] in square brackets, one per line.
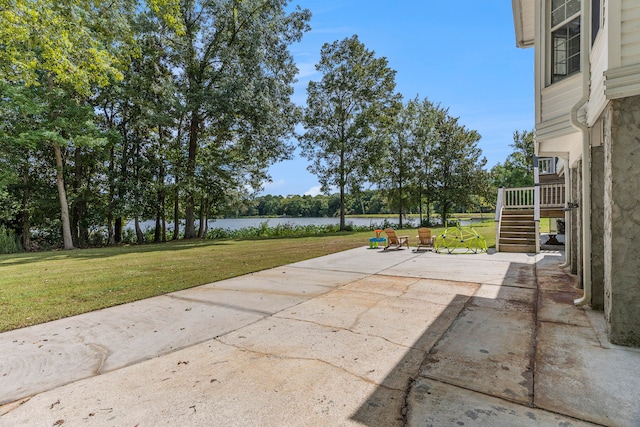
[9, 243]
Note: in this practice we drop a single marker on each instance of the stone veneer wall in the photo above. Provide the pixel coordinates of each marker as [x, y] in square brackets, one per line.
[576, 222]
[622, 220]
[597, 226]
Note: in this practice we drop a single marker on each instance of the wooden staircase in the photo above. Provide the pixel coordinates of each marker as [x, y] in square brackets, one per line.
[517, 231]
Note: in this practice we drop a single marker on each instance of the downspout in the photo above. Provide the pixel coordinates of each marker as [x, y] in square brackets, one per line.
[586, 158]
[536, 201]
[498, 217]
[567, 216]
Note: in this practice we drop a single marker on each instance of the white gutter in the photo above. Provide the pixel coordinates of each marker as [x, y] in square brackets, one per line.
[586, 156]
[567, 214]
[536, 201]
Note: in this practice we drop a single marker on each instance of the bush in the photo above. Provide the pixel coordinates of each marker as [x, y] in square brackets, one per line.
[280, 230]
[9, 243]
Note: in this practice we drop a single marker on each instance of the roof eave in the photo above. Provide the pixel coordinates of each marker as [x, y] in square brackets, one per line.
[519, 17]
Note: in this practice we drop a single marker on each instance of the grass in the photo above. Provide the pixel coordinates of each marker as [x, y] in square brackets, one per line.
[44, 286]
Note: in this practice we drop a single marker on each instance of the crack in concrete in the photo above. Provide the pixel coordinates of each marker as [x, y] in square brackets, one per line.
[310, 359]
[340, 328]
[413, 378]
[11, 406]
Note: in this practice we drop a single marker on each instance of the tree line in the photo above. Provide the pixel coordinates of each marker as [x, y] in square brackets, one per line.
[174, 109]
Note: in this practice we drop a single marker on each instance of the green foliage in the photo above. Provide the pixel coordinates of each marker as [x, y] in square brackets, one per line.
[346, 114]
[234, 75]
[9, 243]
[517, 169]
[434, 158]
[280, 230]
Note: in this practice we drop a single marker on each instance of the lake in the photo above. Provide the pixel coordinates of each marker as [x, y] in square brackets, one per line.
[239, 223]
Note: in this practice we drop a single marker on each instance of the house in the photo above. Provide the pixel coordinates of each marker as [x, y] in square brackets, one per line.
[587, 113]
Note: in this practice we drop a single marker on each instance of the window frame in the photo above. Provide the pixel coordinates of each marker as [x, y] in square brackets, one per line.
[567, 26]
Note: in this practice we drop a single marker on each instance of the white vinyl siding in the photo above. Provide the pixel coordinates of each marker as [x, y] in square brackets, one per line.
[630, 49]
[599, 64]
[558, 99]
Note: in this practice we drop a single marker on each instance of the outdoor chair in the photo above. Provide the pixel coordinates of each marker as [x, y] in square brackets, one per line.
[425, 240]
[395, 241]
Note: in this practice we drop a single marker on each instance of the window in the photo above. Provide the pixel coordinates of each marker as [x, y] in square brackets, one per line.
[565, 38]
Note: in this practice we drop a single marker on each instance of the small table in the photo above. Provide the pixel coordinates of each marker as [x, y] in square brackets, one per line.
[374, 242]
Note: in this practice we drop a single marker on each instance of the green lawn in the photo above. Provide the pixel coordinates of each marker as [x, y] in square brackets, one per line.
[43, 286]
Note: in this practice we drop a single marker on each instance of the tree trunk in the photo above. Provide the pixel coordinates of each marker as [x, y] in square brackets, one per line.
[24, 214]
[342, 183]
[139, 233]
[117, 230]
[79, 229]
[202, 228]
[62, 195]
[110, 219]
[189, 228]
[176, 214]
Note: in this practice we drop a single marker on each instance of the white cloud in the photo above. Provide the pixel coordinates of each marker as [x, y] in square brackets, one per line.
[306, 69]
[313, 191]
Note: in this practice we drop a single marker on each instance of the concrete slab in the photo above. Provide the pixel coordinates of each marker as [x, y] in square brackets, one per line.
[359, 260]
[557, 307]
[434, 403]
[289, 280]
[403, 320]
[357, 338]
[213, 384]
[364, 356]
[488, 350]
[505, 297]
[478, 268]
[38, 358]
[578, 377]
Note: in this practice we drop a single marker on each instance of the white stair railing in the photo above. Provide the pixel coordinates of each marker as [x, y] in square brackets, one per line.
[552, 195]
[519, 198]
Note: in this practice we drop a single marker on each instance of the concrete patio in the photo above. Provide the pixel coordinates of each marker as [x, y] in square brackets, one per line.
[362, 337]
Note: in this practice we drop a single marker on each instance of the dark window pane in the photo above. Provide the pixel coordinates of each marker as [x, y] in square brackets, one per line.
[573, 7]
[565, 54]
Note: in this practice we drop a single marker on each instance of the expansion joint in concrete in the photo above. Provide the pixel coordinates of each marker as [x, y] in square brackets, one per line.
[534, 339]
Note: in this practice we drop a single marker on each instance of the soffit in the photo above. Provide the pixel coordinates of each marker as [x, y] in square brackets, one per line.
[524, 20]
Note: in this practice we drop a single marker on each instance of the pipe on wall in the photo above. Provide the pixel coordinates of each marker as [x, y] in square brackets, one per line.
[585, 40]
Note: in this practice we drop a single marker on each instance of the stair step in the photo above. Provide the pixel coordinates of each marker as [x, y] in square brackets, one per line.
[518, 229]
[516, 241]
[517, 212]
[518, 248]
[518, 234]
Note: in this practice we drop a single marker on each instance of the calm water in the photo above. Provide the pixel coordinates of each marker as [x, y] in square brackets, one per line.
[238, 223]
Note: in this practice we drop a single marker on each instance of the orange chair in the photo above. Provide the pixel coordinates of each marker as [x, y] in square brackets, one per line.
[395, 241]
[425, 240]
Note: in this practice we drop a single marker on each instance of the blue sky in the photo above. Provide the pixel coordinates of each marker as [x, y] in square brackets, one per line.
[461, 55]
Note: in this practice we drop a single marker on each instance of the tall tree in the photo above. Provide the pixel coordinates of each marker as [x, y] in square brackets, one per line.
[517, 169]
[346, 116]
[68, 46]
[235, 74]
[458, 166]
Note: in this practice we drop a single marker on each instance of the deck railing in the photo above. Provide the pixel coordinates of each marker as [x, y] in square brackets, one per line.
[551, 196]
[519, 198]
[547, 165]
